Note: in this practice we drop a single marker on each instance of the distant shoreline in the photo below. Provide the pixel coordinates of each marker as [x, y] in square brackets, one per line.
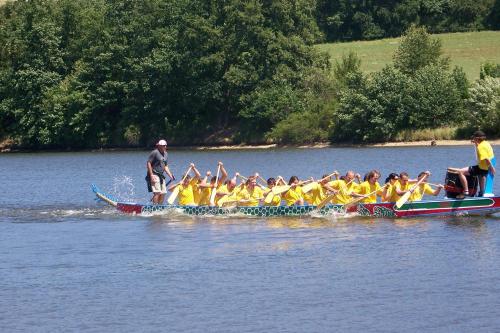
[426, 143]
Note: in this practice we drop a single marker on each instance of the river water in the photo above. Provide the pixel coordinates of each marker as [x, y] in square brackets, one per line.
[69, 263]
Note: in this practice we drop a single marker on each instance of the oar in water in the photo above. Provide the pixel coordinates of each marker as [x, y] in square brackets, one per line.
[359, 199]
[175, 192]
[214, 190]
[404, 198]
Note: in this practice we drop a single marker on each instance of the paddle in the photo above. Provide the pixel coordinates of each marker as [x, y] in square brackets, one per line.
[404, 198]
[175, 192]
[355, 201]
[214, 190]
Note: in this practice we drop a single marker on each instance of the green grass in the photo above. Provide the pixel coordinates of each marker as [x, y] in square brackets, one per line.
[467, 50]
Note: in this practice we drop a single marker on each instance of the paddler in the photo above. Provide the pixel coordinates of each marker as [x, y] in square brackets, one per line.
[370, 188]
[424, 188]
[186, 196]
[294, 195]
[157, 164]
[317, 193]
[207, 188]
[276, 198]
[389, 194]
[484, 154]
[345, 186]
[252, 194]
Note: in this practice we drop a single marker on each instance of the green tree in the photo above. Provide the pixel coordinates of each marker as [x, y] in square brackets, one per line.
[417, 50]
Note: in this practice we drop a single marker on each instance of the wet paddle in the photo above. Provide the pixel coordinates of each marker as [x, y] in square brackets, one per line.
[214, 190]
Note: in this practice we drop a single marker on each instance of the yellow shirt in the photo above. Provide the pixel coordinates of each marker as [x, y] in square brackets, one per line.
[276, 201]
[196, 192]
[393, 195]
[186, 195]
[344, 189]
[205, 196]
[315, 195]
[419, 192]
[292, 195]
[484, 152]
[253, 196]
[367, 188]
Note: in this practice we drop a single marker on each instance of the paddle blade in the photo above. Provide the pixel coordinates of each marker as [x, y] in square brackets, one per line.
[280, 189]
[308, 187]
[401, 201]
[269, 197]
[173, 196]
[325, 201]
[212, 196]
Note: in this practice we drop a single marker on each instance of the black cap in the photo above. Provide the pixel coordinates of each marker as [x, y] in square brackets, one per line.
[478, 134]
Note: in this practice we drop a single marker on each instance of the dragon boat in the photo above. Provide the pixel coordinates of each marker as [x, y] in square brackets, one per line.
[468, 206]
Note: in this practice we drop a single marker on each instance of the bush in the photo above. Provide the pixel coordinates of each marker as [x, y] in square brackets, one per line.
[303, 127]
[483, 105]
[489, 69]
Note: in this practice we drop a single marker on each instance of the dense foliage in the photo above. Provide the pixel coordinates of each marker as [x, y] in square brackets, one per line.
[97, 73]
[361, 19]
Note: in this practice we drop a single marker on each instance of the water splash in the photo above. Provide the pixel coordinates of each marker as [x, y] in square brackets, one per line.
[123, 188]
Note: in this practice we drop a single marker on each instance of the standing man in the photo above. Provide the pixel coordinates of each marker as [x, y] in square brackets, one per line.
[157, 164]
[484, 153]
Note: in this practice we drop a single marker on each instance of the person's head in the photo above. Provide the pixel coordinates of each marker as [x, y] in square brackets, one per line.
[372, 176]
[478, 136]
[161, 145]
[403, 177]
[349, 175]
[325, 179]
[423, 174]
[186, 180]
[392, 178]
[271, 182]
[251, 182]
[231, 184]
[293, 180]
[213, 179]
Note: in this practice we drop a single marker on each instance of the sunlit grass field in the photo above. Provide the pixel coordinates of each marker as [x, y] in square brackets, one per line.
[467, 50]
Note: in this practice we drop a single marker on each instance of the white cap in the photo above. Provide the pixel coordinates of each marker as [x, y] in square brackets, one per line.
[162, 143]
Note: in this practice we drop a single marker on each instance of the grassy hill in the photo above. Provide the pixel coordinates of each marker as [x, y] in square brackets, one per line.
[468, 50]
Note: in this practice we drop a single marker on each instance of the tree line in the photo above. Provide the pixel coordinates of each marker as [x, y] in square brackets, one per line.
[99, 73]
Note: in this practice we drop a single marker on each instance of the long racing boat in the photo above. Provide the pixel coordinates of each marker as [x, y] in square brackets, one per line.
[468, 206]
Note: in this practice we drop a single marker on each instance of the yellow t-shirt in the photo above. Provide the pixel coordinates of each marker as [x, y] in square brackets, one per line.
[316, 195]
[276, 201]
[394, 196]
[196, 192]
[204, 198]
[345, 190]
[367, 188]
[186, 194]
[484, 152]
[292, 195]
[419, 192]
[253, 196]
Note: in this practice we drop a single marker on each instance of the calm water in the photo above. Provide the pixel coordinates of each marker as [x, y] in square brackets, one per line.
[68, 263]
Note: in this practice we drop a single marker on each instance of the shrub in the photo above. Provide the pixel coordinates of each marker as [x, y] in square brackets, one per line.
[483, 105]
